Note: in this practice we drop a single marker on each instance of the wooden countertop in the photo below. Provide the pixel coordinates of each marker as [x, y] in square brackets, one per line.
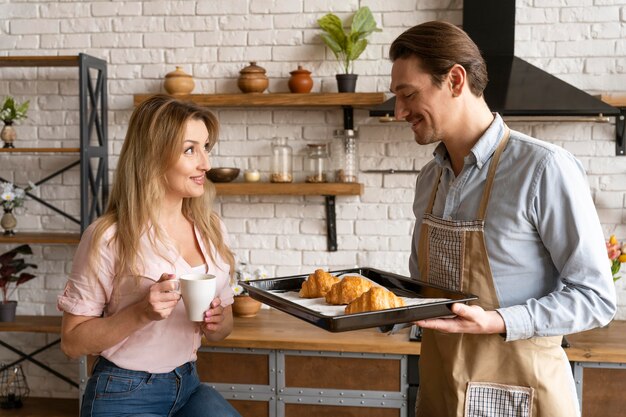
[272, 329]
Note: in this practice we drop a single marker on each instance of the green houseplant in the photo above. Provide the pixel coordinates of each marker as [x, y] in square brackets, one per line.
[11, 276]
[347, 46]
[10, 113]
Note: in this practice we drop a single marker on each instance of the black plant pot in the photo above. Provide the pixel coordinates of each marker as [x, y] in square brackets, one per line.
[346, 83]
[7, 311]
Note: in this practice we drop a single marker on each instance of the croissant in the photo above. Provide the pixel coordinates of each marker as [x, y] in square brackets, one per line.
[346, 290]
[317, 284]
[377, 298]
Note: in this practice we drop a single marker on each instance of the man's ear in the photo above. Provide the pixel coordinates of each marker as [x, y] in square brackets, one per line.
[456, 79]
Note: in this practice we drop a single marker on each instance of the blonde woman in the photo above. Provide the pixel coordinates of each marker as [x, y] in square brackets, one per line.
[121, 300]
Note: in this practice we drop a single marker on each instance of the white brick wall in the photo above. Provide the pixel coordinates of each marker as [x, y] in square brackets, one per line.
[577, 40]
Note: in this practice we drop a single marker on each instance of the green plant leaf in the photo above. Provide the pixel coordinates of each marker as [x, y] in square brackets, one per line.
[332, 25]
[358, 49]
[332, 44]
[363, 23]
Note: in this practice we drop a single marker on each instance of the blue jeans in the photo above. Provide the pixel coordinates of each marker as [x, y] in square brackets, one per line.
[114, 391]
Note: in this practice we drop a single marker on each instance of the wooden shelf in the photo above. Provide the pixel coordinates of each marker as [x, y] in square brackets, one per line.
[280, 99]
[39, 61]
[48, 407]
[267, 188]
[42, 238]
[614, 100]
[32, 324]
[39, 150]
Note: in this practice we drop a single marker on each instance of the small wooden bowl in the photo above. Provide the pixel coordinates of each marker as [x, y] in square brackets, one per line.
[222, 174]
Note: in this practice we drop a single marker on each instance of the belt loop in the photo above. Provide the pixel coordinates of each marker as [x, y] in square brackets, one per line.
[150, 378]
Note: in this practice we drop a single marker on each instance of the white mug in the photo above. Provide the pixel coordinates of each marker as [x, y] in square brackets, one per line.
[197, 291]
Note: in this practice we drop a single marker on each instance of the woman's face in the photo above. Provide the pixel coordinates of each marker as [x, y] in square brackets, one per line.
[187, 176]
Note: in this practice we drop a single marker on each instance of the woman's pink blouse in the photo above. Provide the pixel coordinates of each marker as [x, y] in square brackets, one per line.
[161, 345]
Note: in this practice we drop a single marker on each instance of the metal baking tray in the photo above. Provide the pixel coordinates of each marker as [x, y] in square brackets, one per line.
[267, 290]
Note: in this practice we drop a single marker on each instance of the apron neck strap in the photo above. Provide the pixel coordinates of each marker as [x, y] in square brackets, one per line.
[482, 210]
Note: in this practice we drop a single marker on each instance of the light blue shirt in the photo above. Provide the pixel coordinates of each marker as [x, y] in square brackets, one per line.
[545, 244]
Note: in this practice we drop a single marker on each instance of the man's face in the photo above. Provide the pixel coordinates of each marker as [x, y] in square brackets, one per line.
[419, 101]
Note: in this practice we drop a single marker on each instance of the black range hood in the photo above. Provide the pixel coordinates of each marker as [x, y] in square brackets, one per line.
[515, 88]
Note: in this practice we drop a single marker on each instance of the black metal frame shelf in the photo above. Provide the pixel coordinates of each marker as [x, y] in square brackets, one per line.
[93, 151]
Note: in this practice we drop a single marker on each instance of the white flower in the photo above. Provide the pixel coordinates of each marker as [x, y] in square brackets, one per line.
[238, 289]
[261, 273]
[8, 196]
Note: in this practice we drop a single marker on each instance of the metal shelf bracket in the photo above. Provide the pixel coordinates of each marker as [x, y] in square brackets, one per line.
[331, 223]
[620, 132]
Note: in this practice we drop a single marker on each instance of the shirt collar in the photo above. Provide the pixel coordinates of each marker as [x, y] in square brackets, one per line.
[482, 150]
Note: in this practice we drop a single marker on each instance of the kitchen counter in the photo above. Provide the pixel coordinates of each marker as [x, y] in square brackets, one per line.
[273, 329]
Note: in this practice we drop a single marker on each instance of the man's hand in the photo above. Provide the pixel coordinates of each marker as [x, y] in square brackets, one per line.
[469, 319]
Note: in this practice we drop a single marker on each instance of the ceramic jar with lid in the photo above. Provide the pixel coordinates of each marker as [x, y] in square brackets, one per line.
[252, 79]
[300, 81]
[317, 162]
[178, 82]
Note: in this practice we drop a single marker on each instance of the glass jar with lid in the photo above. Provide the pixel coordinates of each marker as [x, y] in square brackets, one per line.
[282, 155]
[317, 162]
[345, 155]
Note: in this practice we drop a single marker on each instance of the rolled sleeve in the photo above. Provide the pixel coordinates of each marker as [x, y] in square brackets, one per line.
[518, 322]
[87, 293]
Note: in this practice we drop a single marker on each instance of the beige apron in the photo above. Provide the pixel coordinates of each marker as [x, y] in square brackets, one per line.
[482, 375]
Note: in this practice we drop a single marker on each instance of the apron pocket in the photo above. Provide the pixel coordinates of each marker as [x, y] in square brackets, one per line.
[487, 399]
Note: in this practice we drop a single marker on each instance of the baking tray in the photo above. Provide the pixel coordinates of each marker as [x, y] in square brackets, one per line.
[267, 290]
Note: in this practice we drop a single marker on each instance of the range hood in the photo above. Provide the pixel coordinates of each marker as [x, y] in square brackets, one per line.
[516, 88]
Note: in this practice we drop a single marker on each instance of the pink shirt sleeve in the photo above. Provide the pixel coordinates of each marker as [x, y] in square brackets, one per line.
[85, 293]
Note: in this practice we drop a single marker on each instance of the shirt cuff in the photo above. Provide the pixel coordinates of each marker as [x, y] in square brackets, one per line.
[78, 307]
[518, 323]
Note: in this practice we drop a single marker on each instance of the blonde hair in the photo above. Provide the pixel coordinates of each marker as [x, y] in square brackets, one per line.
[152, 145]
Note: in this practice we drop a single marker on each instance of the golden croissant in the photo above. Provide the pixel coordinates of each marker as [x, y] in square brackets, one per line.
[346, 290]
[377, 298]
[317, 284]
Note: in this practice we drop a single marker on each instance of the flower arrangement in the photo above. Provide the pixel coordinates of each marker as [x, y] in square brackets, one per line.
[617, 255]
[10, 266]
[348, 46]
[242, 273]
[12, 111]
[12, 196]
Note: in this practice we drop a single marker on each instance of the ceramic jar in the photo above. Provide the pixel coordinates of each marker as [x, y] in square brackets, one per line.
[178, 82]
[8, 135]
[8, 222]
[300, 81]
[252, 79]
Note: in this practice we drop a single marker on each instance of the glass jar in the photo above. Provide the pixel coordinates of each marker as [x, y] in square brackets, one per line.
[282, 155]
[345, 155]
[317, 162]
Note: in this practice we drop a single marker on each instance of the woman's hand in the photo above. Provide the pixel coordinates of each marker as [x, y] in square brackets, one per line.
[162, 298]
[469, 319]
[218, 321]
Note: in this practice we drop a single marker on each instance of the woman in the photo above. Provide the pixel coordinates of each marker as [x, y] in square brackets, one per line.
[121, 300]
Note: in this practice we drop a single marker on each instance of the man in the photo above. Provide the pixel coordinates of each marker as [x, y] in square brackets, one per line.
[505, 217]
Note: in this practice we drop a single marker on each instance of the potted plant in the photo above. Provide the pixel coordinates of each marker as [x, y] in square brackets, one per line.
[347, 46]
[244, 305]
[10, 198]
[11, 276]
[10, 113]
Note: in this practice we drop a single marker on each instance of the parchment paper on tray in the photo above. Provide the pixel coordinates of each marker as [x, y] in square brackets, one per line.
[320, 305]
[422, 300]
